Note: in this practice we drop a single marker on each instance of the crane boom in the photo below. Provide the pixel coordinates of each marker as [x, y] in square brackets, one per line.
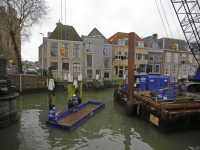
[188, 15]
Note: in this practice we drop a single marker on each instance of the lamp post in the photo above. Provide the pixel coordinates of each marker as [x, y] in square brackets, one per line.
[42, 49]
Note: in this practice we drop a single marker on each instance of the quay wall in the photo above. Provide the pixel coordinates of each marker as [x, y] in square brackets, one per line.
[30, 83]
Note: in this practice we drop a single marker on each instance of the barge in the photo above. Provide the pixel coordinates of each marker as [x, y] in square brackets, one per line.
[157, 100]
[68, 120]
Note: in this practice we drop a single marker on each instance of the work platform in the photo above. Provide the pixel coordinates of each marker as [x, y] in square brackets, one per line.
[167, 116]
[68, 120]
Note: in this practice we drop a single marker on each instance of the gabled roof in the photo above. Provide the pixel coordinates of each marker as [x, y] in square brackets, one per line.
[168, 41]
[96, 32]
[69, 31]
[119, 35]
[150, 40]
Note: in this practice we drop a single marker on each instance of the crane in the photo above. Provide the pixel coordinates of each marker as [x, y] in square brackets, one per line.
[187, 12]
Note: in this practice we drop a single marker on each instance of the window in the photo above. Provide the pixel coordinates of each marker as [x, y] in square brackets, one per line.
[126, 70]
[88, 47]
[167, 69]
[175, 69]
[155, 46]
[176, 57]
[107, 63]
[106, 75]
[158, 57]
[136, 56]
[185, 69]
[126, 56]
[183, 57]
[54, 65]
[168, 57]
[54, 49]
[115, 70]
[143, 56]
[89, 60]
[121, 71]
[76, 67]
[76, 51]
[142, 68]
[150, 68]
[99, 73]
[66, 46]
[65, 66]
[190, 58]
[151, 57]
[157, 68]
[121, 42]
[104, 50]
[140, 44]
[89, 74]
[118, 55]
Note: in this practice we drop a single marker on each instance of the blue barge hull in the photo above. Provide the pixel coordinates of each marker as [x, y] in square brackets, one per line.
[68, 120]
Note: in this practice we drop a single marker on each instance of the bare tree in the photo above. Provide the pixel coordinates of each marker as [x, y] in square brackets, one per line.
[17, 17]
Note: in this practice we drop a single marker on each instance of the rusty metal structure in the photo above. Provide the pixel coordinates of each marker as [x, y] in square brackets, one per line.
[179, 114]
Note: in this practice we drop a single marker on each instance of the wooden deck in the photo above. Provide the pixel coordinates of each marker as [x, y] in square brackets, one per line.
[71, 118]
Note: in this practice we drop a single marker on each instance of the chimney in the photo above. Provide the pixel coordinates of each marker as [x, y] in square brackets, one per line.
[155, 37]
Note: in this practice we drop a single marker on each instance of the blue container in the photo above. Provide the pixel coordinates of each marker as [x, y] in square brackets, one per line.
[164, 81]
[152, 83]
[142, 81]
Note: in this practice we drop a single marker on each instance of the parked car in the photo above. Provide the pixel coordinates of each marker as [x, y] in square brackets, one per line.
[31, 71]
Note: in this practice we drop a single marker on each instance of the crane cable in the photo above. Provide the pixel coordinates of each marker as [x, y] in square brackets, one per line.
[161, 17]
[166, 19]
[174, 19]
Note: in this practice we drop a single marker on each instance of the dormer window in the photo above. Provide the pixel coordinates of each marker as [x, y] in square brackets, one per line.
[140, 44]
[187, 48]
[121, 42]
[155, 46]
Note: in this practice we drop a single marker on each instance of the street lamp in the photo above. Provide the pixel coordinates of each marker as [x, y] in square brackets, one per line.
[42, 50]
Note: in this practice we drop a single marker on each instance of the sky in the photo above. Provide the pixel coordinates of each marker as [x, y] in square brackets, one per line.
[109, 17]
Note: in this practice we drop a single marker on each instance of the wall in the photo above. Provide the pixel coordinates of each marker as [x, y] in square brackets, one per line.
[36, 83]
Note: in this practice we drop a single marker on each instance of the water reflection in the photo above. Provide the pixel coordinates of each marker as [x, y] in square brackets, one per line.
[109, 128]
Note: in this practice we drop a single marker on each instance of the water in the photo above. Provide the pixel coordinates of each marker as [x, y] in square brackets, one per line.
[108, 129]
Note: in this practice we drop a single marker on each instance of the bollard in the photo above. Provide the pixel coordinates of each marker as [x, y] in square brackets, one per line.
[80, 84]
[70, 89]
[51, 94]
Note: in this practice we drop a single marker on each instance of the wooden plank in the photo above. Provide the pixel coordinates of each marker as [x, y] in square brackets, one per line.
[71, 118]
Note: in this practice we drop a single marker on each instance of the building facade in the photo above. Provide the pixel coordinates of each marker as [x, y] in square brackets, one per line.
[67, 37]
[176, 64]
[97, 56]
[120, 55]
[156, 55]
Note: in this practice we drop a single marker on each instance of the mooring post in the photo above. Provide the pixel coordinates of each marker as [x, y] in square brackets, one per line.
[80, 84]
[51, 93]
[70, 89]
[97, 79]
[131, 77]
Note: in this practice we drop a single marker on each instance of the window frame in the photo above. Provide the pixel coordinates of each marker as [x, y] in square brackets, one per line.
[175, 70]
[167, 70]
[67, 49]
[77, 49]
[155, 68]
[150, 57]
[89, 61]
[68, 66]
[89, 47]
[54, 49]
[57, 66]
[176, 58]
[91, 73]
[169, 56]
[105, 47]
[77, 67]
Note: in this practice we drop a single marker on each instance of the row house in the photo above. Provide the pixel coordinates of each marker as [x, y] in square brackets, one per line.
[120, 55]
[67, 37]
[156, 55]
[97, 56]
[176, 64]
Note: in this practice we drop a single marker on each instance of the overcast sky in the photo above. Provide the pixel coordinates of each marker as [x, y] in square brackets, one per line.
[108, 16]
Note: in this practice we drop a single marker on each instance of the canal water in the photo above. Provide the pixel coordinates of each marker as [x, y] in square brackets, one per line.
[108, 129]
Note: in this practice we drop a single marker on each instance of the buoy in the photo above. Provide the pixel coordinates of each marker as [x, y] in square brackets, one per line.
[65, 92]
